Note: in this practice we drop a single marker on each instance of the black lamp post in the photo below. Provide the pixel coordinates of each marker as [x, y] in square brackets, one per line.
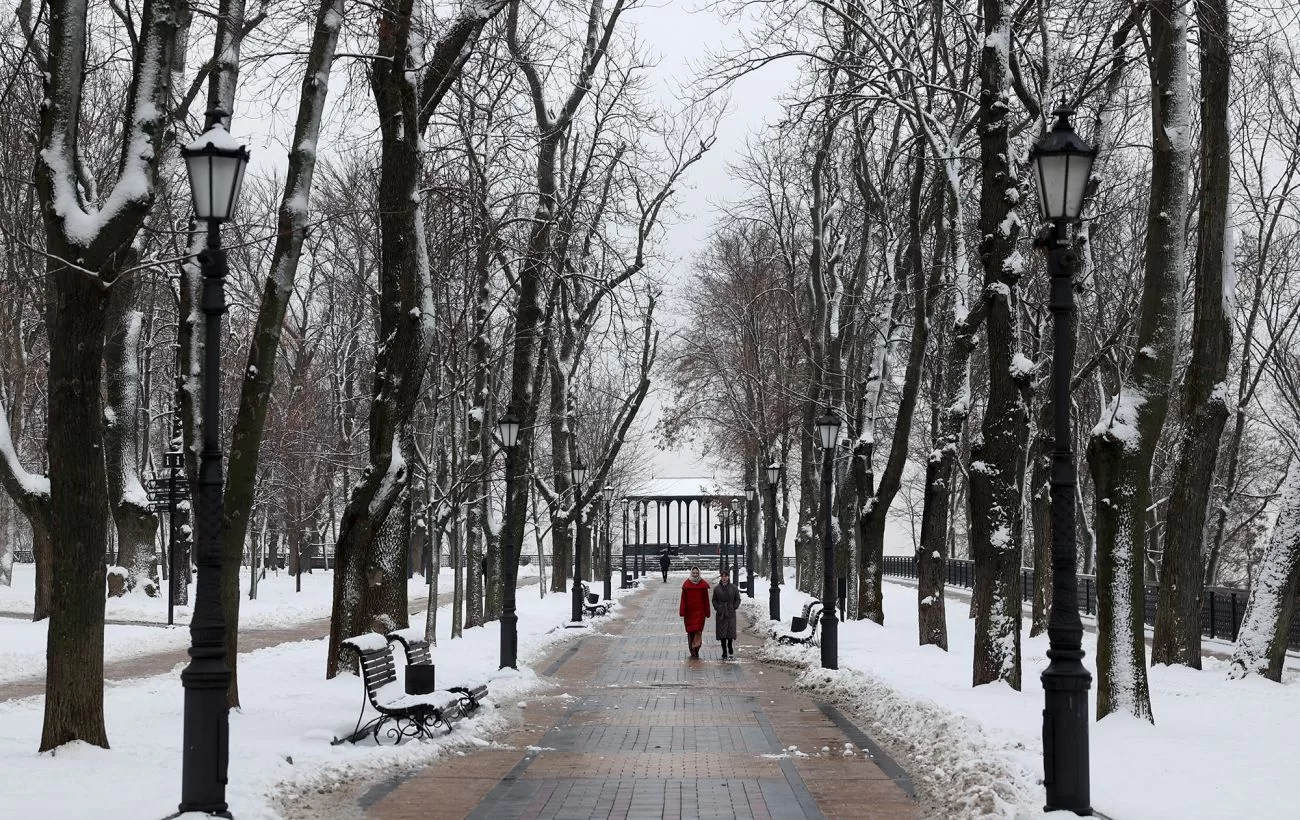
[1062, 164]
[609, 548]
[724, 519]
[774, 579]
[216, 165]
[622, 569]
[508, 430]
[750, 492]
[828, 430]
[578, 474]
[642, 536]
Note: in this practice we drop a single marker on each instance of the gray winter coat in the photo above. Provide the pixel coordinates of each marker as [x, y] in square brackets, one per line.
[726, 600]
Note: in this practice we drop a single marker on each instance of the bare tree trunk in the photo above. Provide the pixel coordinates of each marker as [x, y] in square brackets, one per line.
[137, 526]
[1177, 637]
[1122, 447]
[996, 469]
[369, 588]
[259, 375]
[74, 682]
[1262, 642]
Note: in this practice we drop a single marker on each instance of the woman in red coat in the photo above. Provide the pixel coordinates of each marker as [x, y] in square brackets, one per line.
[694, 609]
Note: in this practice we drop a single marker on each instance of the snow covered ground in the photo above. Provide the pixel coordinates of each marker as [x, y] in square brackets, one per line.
[22, 643]
[280, 739]
[1217, 749]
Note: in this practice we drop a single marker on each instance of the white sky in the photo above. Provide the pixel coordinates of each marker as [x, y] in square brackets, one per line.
[683, 34]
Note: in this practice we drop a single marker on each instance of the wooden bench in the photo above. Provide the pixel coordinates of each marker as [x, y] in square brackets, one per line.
[806, 633]
[404, 715]
[591, 603]
[418, 653]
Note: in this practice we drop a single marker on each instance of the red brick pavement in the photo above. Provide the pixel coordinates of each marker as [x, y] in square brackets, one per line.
[653, 734]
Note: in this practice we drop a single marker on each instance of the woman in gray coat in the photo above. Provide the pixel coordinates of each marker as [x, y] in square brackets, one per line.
[726, 600]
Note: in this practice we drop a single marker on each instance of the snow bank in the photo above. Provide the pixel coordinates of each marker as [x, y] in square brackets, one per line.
[977, 752]
[279, 741]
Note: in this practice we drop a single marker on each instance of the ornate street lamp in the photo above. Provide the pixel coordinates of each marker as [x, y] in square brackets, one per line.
[774, 575]
[216, 164]
[508, 432]
[1062, 165]
[828, 430]
[609, 549]
[577, 474]
[750, 492]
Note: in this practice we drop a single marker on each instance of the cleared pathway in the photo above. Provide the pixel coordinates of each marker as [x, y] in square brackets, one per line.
[646, 732]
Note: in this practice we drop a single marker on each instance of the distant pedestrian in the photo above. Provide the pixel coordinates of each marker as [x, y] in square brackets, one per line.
[694, 609]
[664, 563]
[726, 600]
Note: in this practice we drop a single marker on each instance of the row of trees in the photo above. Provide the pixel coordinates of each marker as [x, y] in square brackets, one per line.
[467, 227]
[881, 264]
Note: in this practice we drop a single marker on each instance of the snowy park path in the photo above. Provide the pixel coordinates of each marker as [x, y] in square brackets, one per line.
[640, 731]
[250, 640]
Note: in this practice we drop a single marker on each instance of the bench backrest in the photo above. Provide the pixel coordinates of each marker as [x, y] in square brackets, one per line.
[814, 615]
[418, 653]
[807, 608]
[377, 670]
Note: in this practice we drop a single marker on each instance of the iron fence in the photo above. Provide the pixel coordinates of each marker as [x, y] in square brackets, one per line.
[1221, 612]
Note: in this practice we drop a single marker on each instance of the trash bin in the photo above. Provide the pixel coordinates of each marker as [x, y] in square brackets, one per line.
[419, 679]
[798, 624]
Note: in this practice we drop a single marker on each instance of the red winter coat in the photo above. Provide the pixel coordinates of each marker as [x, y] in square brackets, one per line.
[695, 604]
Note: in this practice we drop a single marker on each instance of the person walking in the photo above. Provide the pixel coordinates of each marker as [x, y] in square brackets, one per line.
[664, 563]
[694, 609]
[726, 600]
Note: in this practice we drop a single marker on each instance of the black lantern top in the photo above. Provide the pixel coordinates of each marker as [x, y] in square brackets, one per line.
[508, 429]
[578, 472]
[773, 473]
[749, 492]
[1062, 164]
[626, 503]
[216, 165]
[609, 493]
[828, 429]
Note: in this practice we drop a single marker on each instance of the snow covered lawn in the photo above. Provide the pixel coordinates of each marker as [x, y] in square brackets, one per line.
[22, 643]
[1217, 748]
[281, 736]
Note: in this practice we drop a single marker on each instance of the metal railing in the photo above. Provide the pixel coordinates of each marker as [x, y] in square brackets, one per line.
[1221, 612]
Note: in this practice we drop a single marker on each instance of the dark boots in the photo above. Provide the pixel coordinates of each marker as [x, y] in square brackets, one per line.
[728, 648]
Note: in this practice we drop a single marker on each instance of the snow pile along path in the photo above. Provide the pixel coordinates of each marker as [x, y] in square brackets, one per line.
[977, 751]
[279, 740]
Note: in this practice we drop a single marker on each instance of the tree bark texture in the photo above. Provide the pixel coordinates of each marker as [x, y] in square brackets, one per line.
[1123, 444]
[369, 587]
[875, 511]
[996, 468]
[1177, 637]
[259, 375]
[136, 524]
[74, 680]
[1262, 642]
[96, 250]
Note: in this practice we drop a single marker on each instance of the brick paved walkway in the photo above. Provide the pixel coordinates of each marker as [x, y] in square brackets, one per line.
[650, 733]
[250, 640]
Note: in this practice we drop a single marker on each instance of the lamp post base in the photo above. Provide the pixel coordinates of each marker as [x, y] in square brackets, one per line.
[577, 625]
[1065, 738]
[774, 603]
[509, 639]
